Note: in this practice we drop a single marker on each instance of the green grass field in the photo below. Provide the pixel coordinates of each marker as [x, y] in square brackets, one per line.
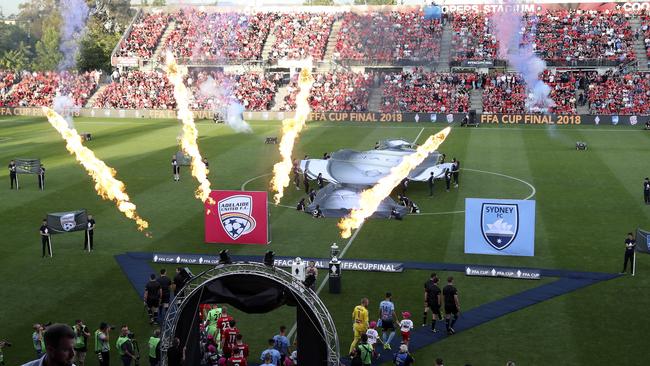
[586, 203]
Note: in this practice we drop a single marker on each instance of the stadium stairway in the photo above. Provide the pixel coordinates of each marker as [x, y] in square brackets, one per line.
[331, 41]
[268, 44]
[375, 98]
[278, 99]
[476, 100]
[445, 48]
[163, 40]
[98, 91]
[639, 46]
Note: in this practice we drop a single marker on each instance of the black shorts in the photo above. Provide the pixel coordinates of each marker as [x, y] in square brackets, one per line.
[451, 309]
[387, 325]
[435, 308]
[153, 302]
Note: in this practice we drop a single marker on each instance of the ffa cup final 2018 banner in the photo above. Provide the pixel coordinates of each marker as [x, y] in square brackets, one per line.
[500, 227]
[237, 217]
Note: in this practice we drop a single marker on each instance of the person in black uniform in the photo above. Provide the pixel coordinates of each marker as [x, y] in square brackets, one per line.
[90, 232]
[432, 301]
[430, 182]
[12, 174]
[630, 245]
[180, 279]
[207, 165]
[646, 190]
[452, 305]
[447, 178]
[41, 177]
[45, 238]
[152, 297]
[305, 182]
[301, 205]
[317, 213]
[312, 196]
[320, 181]
[455, 170]
[442, 158]
[176, 169]
[165, 284]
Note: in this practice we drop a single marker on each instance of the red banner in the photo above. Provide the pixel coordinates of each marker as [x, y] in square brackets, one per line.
[237, 217]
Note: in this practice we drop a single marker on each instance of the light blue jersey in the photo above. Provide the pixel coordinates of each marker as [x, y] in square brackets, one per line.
[386, 308]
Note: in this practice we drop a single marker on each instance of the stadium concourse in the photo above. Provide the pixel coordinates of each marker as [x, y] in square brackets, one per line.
[370, 59]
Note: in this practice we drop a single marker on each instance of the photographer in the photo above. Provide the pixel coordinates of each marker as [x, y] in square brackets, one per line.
[80, 342]
[126, 346]
[102, 346]
[3, 344]
[59, 345]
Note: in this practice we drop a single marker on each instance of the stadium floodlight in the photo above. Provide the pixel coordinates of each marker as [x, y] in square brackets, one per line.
[269, 258]
[224, 257]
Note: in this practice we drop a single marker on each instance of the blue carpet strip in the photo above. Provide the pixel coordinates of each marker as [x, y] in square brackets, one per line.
[137, 269]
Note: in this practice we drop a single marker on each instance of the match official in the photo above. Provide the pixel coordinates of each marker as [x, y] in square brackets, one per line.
[12, 174]
[45, 238]
[630, 245]
[152, 298]
[452, 305]
[90, 232]
[432, 301]
[646, 191]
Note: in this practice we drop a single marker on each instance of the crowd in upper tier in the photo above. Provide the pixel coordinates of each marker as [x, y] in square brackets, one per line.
[144, 36]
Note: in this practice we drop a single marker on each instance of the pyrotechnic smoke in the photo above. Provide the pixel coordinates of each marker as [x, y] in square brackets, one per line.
[233, 112]
[372, 197]
[65, 107]
[291, 128]
[104, 176]
[189, 133]
[508, 29]
[73, 27]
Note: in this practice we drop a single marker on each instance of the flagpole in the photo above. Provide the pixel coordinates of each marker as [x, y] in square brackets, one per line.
[88, 240]
[49, 243]
[17, 186]
[634, 264]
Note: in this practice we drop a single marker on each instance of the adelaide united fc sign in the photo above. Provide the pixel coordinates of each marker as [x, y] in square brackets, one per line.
[238, 217]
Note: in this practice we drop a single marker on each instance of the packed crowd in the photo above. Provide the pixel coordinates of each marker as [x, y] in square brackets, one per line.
[472, 38]
[387, 36]
[7, 80]
[427, 92]
[300, 35]
[144, 36]
[37, 89]
[571, 35]
[334, 91]
[620, 94]
[219, 36]
[644, 31]
[213, 90]
[137, 90]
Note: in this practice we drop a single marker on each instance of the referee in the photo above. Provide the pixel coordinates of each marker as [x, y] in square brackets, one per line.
[433, 301]
[45, 238]
[630, 245]
[452, 305]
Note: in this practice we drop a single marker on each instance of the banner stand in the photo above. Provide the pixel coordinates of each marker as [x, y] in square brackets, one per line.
[88, 240]
[49, 244]
[17, 186]
[634, 264]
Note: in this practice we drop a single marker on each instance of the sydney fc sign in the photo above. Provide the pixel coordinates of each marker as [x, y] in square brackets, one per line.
[500, 227]
[237, 217]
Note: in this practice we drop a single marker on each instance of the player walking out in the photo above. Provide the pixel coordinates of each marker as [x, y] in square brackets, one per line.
[360, 322]
[452, 305]
[387, 318]
[630, 245]
[433, 301]
[152, 296]
[45, 238]
[12, 174]
[176, 169]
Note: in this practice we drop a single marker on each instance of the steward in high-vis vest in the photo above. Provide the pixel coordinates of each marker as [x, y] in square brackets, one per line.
[102, 347]
[124, 346]
[81, 335]
[154, 348]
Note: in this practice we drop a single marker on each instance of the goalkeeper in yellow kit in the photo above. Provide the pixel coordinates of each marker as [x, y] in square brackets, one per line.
[360, 319]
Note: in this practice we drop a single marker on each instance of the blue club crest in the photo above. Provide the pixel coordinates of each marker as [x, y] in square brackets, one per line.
[499, 224]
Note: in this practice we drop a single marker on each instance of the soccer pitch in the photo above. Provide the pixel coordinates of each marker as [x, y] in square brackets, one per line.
[586, 202]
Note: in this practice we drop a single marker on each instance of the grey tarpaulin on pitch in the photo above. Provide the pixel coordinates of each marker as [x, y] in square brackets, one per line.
[64, 222]
[28, 166]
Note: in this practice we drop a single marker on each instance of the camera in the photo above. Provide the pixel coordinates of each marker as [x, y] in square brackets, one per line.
[131, 335]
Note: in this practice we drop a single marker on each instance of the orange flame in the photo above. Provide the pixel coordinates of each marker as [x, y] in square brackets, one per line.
[106, 185]
[291, 128]
[372, 197]
[176, 73]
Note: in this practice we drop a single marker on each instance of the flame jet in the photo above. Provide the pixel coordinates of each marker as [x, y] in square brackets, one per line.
[372, 197]
[106, 185]
[291, 128]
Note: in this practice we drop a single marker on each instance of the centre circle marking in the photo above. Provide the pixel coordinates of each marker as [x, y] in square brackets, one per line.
[533, 191]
